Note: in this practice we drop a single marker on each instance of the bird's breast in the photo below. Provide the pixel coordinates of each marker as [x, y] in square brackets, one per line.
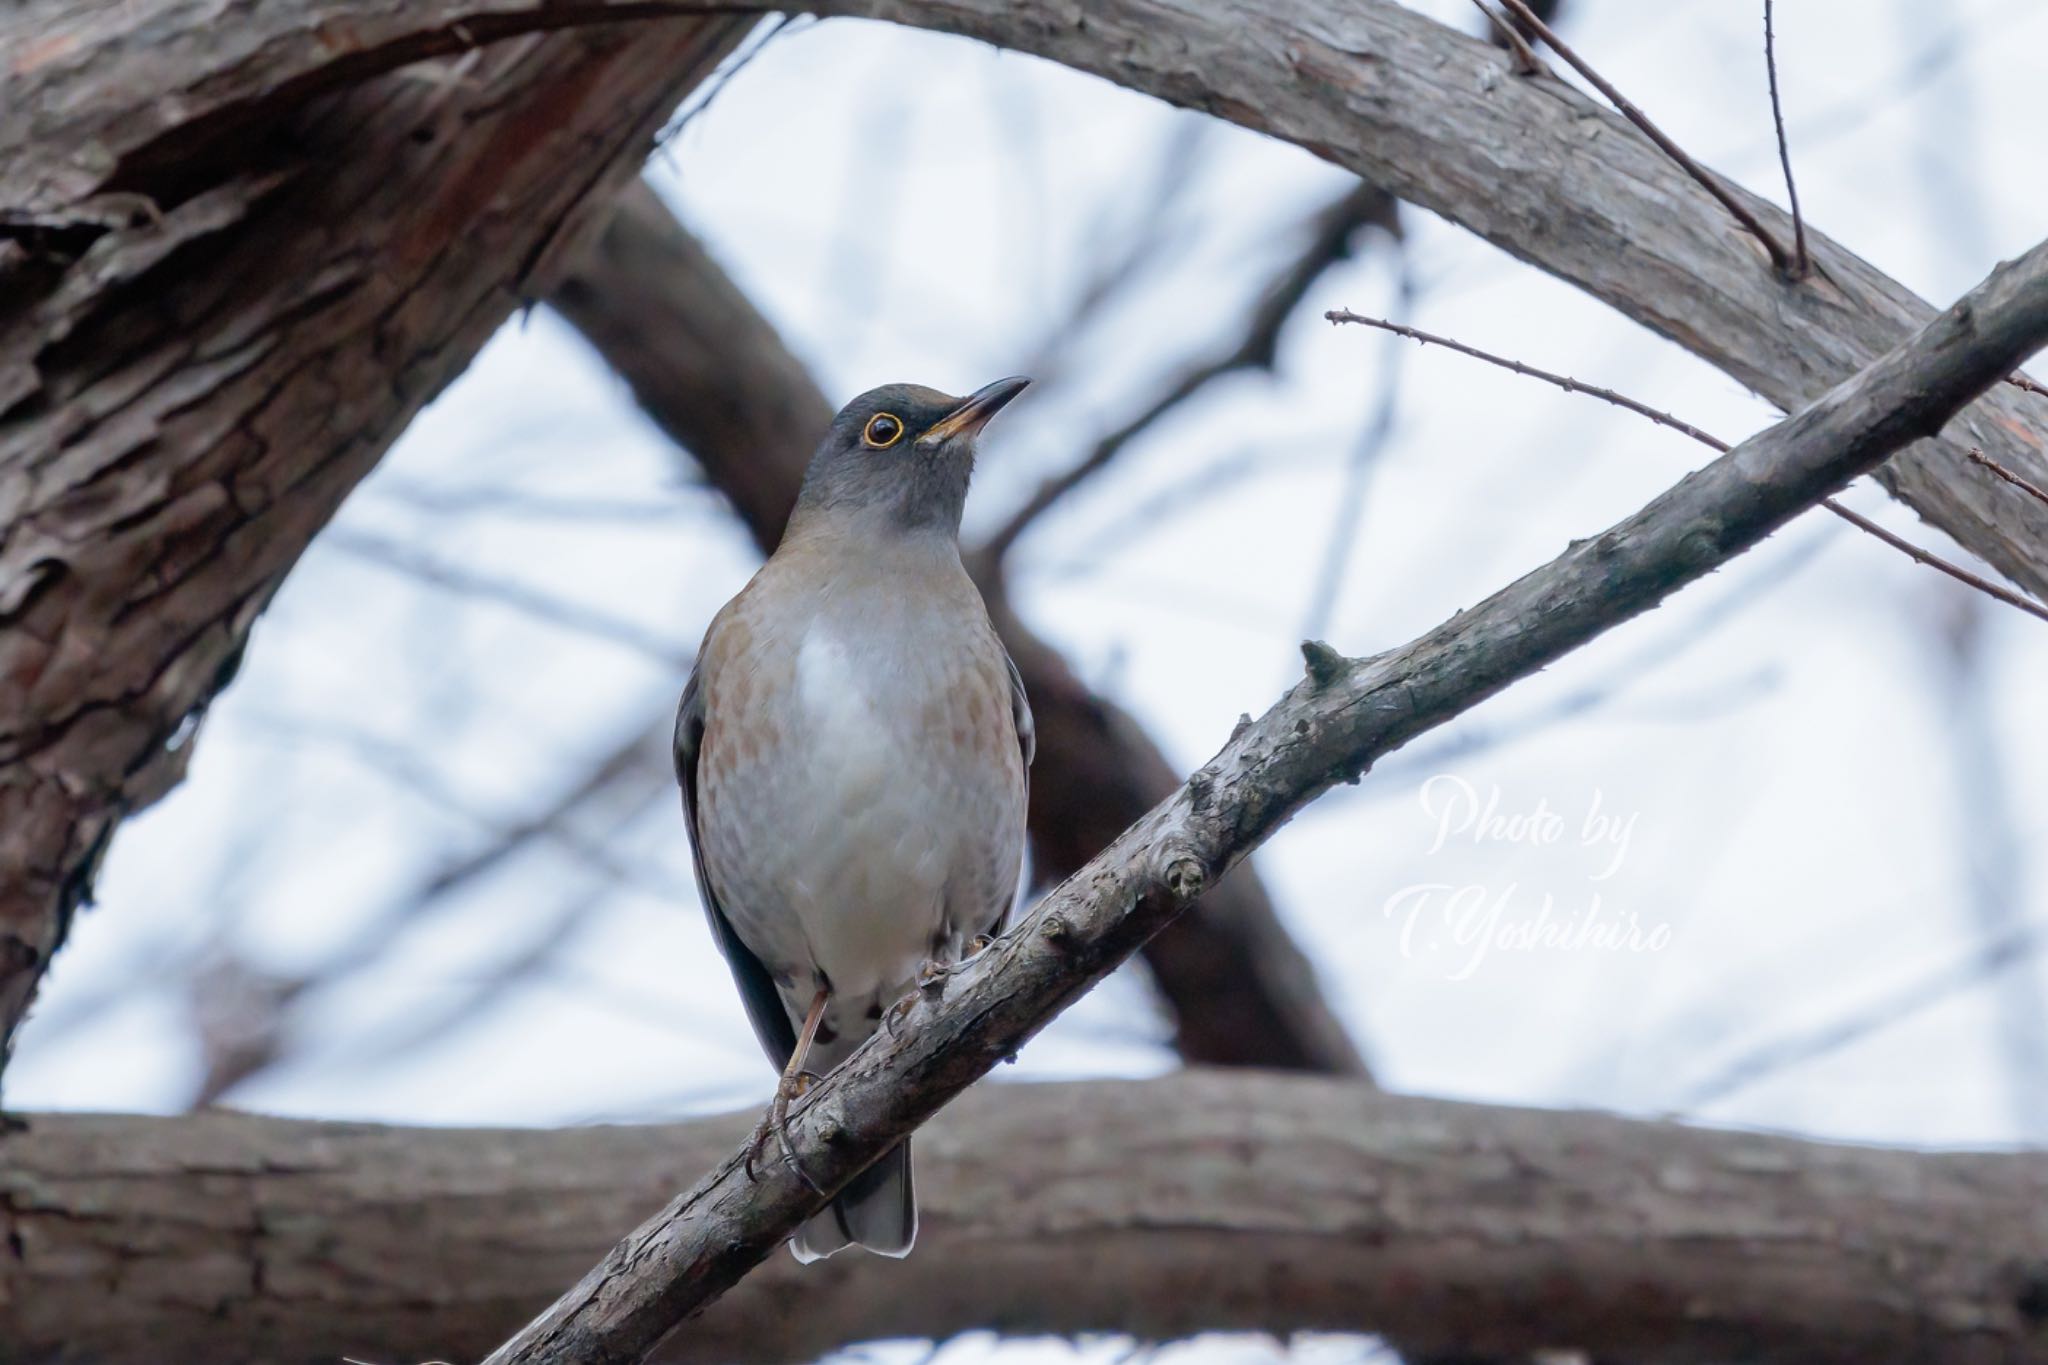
[864, 798]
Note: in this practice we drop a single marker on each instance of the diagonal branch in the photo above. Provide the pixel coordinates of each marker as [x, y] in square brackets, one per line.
[1464, 1228]
[1329, 728]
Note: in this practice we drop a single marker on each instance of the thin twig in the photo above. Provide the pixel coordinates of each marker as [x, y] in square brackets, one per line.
[2020, 381]
[1565, 382]
[1934, 561]
[1665, 419]
[1799, 261]
[1331, 242]
[2032, 490]
[1780, 259]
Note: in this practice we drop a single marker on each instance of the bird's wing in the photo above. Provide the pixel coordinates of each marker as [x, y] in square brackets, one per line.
[1020, 712]
[757, 987]
[1027, 745]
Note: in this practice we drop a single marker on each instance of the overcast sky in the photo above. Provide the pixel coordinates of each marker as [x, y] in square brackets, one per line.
[1809, 802]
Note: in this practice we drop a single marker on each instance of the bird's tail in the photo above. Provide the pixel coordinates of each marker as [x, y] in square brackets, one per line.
[876, 1210]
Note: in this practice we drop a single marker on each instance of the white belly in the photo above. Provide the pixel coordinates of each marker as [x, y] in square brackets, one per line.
[873, 841]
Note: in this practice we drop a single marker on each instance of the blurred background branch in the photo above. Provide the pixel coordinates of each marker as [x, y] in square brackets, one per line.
[1471, 1229]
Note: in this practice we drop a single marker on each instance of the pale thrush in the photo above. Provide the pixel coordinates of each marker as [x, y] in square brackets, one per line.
[853, 748]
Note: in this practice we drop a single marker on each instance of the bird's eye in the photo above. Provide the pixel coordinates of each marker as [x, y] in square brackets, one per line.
[885, 429]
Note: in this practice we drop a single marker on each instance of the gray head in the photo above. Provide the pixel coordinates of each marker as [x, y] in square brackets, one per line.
[899, 457]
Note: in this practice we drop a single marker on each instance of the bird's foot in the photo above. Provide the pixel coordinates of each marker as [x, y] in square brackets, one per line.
[775, 1124]
[898, 1012]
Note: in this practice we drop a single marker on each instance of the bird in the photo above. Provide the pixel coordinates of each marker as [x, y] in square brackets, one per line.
[854, 747]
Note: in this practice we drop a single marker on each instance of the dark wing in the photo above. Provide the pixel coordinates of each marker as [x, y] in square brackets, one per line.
[1020, 712]
[757, 987]
[1027, 744]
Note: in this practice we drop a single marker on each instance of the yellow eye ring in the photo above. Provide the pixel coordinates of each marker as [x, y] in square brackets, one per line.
[884, 429]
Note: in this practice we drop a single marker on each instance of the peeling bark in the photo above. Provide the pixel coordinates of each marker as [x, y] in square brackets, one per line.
[1201, 1201]
[220, 300]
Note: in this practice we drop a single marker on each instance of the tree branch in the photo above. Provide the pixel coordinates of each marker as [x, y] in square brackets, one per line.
[1201, 1201]
[715, 375]
[1328, 728]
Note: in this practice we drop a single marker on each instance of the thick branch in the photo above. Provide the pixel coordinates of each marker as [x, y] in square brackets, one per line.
[1329, 728]
[1202, 1201]
[714, 374]
[219, 303]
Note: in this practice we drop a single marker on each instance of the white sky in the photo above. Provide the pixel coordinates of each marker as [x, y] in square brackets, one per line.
[1785, 736]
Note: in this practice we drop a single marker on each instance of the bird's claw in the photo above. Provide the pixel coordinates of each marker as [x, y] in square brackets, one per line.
[931, 977]
[931, 981]
[898, 1012]
[775, 1124]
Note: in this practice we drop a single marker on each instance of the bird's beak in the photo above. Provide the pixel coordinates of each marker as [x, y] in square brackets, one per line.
[974, 411]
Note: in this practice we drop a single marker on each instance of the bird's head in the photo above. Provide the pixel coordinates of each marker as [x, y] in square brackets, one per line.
[898, 458]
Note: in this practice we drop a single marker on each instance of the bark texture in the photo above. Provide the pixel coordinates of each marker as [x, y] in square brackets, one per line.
[222, 295]
[714, 375]
[1201, 1201]
[1328, 728]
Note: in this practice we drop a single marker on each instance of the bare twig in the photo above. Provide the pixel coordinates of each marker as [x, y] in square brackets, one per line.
[1934, 561]
[1331, 242]
[1329, 728]
[1665, 419]
[2020, 381]
[1565, 382]
[2032, 490]
[1780, 259]
[1800, 264]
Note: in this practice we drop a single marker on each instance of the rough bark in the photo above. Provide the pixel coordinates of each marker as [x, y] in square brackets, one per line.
[1202, 1201]
[713, 374]
[220, 299]
[1329, 728]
